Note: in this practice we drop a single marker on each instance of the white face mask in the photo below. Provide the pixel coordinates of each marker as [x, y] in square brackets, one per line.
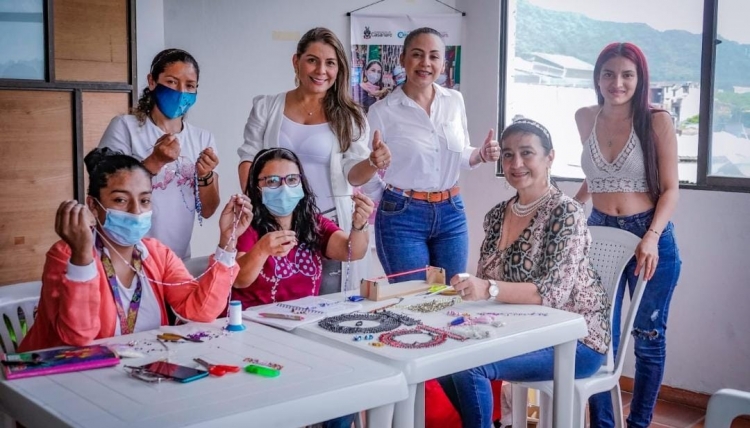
[373, 76]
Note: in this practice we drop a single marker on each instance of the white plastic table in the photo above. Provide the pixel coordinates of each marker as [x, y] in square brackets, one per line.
[317, 383]
[522, 333]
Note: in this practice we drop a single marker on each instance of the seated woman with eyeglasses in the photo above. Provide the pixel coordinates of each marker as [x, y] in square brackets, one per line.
[281, 254]
[105, 279]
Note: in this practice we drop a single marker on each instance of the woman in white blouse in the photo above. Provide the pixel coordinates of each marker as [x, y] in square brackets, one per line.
[321, 124]
[420, 220]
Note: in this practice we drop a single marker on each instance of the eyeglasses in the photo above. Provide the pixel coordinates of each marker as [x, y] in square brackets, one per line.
[274, 181]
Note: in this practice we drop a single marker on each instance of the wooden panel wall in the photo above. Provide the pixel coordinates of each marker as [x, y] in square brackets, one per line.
[91, 40]
[37, 174]
[98, 110]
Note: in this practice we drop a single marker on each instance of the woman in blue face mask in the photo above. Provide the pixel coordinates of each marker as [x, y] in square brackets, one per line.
[105, 279]
[281, 254]
[180, 157]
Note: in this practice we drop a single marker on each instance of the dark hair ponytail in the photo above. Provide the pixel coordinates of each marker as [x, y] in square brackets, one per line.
[101, 163]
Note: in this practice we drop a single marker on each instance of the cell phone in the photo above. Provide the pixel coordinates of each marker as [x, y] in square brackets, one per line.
[175, 372]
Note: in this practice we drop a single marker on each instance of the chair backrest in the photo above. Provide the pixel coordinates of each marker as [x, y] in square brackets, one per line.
[17, 303]
[197, 265]
[611, 250]
[724, 406]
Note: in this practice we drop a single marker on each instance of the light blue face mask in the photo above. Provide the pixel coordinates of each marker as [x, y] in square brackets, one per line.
[124, 228]
[173, 103]
[282, 200]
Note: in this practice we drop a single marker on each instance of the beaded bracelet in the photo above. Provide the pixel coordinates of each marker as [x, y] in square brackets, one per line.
[390, 339]
[434, 305]
[333, 324]
[401, 318]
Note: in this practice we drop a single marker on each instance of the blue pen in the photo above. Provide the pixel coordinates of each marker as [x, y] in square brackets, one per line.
[457, 321]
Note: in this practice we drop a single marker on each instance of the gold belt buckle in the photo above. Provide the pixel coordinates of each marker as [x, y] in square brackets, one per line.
[429, 196]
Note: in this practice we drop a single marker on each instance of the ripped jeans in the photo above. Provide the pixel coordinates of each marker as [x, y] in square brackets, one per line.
[650, 326]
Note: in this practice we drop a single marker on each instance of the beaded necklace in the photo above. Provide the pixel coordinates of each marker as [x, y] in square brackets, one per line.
[335, 324]
[232, 238]
[434, 305]
[525, 210]
[310, 266]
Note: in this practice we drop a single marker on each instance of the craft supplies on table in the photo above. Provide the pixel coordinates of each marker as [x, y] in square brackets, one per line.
[293, 313]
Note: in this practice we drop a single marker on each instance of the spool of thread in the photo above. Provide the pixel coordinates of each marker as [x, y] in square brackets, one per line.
[235, 316]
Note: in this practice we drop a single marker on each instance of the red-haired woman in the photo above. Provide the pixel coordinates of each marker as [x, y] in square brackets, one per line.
[630, 161]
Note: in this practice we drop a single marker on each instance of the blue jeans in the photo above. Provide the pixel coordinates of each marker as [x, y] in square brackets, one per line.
[411, 234]
[471, 393]
[341, 422]
[650, 326]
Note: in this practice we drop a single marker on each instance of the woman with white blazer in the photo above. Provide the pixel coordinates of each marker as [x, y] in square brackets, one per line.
[327, 130]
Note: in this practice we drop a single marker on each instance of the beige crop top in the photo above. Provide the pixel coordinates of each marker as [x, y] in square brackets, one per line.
[627, 173]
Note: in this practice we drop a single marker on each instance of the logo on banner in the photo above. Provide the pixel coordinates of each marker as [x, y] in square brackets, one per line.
[367, 34]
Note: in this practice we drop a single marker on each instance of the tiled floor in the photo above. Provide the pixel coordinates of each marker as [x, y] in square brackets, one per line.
[671, 415]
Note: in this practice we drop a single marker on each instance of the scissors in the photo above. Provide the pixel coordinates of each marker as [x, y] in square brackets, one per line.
[172, 337]
[217, 370]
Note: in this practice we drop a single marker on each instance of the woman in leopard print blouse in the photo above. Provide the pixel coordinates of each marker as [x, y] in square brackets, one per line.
[535, 252]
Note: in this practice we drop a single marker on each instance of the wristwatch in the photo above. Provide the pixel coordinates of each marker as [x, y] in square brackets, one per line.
[494, 289]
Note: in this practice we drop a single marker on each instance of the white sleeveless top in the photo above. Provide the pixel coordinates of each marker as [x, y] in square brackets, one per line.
[626, 174]
[313, 145]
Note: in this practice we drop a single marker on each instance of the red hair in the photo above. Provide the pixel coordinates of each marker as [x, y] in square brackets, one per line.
[640, 106]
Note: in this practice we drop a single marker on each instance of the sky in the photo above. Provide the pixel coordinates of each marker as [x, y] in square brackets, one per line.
[662, 14]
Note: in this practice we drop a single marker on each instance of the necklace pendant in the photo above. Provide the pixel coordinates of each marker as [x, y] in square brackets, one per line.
[310, 114]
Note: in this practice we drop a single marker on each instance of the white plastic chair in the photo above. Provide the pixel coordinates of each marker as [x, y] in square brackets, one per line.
[197, 265]
[611, 250]
[22, 297]
[725, 405]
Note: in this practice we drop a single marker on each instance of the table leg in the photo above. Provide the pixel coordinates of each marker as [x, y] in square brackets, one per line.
[380, 416]
[562, 406]
[419, 406]
[404, 412]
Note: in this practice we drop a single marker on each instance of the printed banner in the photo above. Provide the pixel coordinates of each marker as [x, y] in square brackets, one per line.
[377, 43]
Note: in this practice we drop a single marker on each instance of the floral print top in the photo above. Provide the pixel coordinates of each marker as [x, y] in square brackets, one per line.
[553, 254]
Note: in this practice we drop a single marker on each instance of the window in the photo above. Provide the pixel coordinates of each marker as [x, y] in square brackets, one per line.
[552, 47]
[730, 139]
[22, 46]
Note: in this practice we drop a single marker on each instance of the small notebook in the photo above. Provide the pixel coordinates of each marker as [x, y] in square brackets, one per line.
[311, 308]
[42, 363]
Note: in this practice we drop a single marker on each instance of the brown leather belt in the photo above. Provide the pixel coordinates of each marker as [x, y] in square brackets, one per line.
[438, 196]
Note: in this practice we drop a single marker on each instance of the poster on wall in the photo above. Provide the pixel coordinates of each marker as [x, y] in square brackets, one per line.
[377, 43]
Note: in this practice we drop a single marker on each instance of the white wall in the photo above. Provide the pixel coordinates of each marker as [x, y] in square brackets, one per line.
[239, 59]
[149, 24]
[708, 346]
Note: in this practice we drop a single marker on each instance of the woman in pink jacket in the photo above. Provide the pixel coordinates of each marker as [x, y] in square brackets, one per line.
[104, 279]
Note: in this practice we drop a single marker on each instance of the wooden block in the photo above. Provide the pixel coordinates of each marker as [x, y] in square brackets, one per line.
[377, 291]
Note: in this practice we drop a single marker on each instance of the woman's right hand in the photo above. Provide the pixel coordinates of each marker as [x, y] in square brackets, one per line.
[471, 288]
[73, 223]
[277, 243]
[166, 150]
[380, 156]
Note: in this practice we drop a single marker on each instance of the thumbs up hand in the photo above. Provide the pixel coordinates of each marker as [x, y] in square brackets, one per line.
[380, 156]
[490, 150]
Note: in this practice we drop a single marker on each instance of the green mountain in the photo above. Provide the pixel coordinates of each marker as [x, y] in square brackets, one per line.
[673, 56]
